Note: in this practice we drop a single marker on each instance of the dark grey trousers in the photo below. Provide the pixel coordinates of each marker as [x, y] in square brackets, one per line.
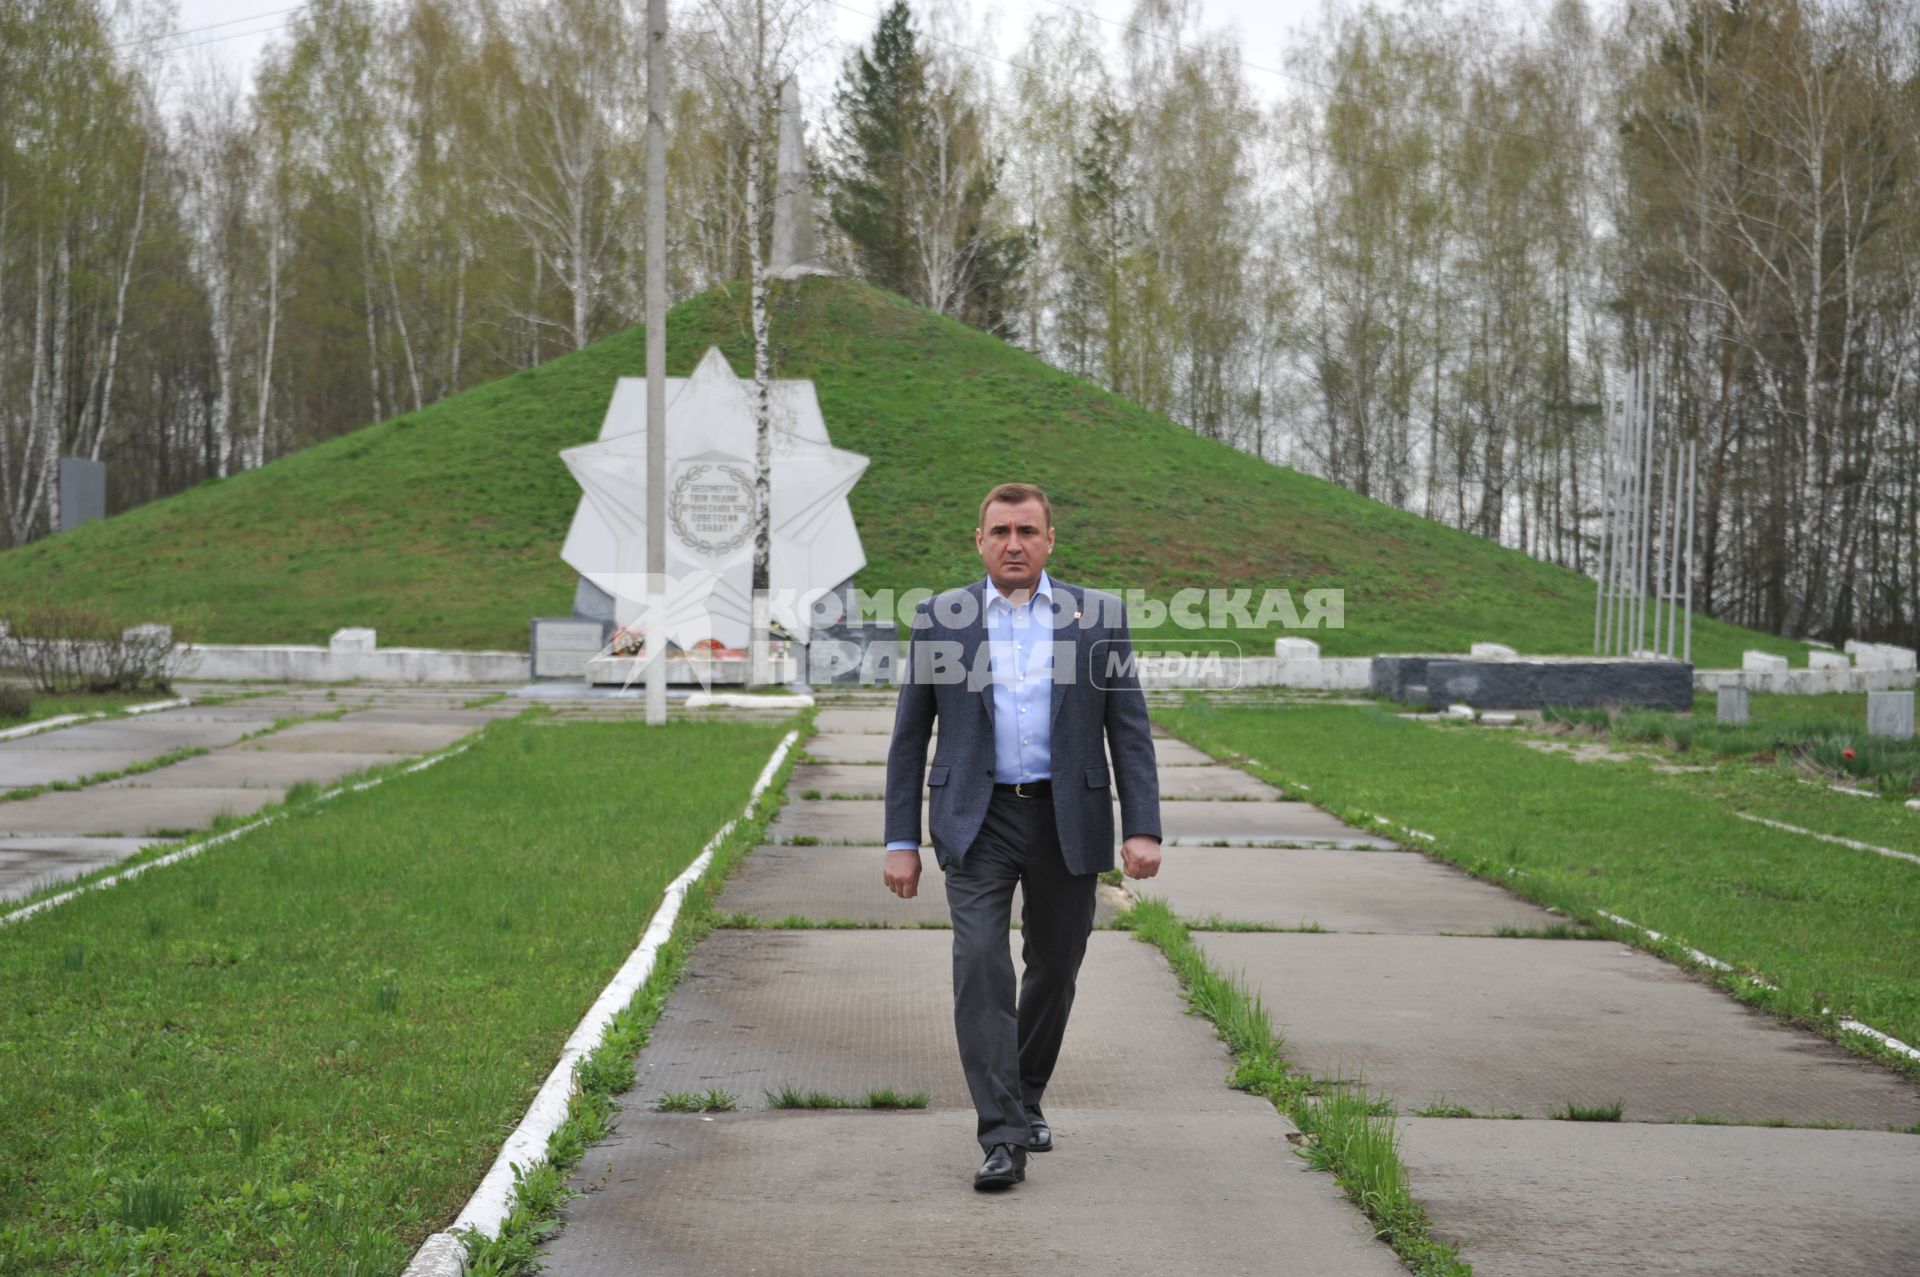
[1008, 1050]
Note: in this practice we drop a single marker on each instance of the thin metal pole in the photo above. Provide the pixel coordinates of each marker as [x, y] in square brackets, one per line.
[1606, 519]
[1677, 458]
[1622, 521]
[1693, 478]
[1629, 486]
[1646, 518]
[1661, 570]
[656, 250]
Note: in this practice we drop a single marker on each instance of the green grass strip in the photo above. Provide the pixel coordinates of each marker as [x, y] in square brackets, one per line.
[1349, 1134]
[607, 1071]
[1836, 930]
[880, 1097]
[313, 1037]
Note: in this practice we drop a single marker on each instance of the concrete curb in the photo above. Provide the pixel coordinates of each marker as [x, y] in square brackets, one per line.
[68, 720]
[736, 700]
[444, 1254]
[21, 915]
[1832, 838]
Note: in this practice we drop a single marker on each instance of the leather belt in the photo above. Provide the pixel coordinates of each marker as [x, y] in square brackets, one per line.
[1026, 788]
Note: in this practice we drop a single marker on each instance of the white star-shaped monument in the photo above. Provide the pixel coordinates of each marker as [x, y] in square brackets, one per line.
[710, 503]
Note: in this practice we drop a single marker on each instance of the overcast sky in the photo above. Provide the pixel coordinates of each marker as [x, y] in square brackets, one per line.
[998, 28]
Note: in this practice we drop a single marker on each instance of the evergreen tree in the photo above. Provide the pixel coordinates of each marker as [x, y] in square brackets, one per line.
[879, 100]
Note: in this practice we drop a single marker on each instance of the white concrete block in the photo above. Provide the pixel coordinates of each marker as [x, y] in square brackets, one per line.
[352, 639]
[1458, 710]
[1297, 649]
[1762, 662]
[152, 631]
[1731, 705]
[1829, 661]
[307, 664]
[1492, 651]
[1890, 714]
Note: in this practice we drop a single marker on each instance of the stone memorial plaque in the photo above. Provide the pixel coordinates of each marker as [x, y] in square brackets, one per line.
[711, 495]
[1890, 714]
[562, 646]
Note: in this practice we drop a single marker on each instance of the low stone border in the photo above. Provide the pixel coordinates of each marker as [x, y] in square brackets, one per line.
[747, 700]
[444, 1254]
[1832, 838]
[68, 720]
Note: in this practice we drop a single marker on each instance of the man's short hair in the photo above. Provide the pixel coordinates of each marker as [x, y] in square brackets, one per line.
[1014, 494]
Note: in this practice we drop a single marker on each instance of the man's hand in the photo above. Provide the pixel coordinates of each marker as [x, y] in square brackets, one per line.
[1139, 856]
[903, 873]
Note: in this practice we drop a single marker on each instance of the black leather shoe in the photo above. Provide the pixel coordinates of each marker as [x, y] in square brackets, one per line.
[1041, 1141]
[1006, 1165]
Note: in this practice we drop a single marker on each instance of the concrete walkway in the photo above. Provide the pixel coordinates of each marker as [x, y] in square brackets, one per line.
[1159, 1167]
[1421, 982]
[60, 834]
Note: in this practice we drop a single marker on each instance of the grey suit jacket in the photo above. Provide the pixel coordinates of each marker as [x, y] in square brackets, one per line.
[1097, 708]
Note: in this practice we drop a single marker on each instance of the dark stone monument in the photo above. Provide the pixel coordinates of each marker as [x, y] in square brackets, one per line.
[83, 491]
[1530, 684]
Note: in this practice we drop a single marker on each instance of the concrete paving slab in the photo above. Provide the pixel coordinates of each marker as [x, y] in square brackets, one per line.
[23, 768]
[1215, 783]
[128, 812]
[821, 883]
[850, 747]
[30, 862]
[869, 780]
[871, 747]
[1168, 752]
[1528, 1026]
[361, 738]
[854, 721]
[153, 733]
[473, 719]
[845, 1011]
[248, 711]
[1268, 824]
[1181, 822]
[1622, 1199]
[1401, 892]
[859, 822]
[251, 768]
[891, 1195]
[849, 780]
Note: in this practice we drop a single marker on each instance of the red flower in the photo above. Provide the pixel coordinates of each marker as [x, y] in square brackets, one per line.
[1847, 754]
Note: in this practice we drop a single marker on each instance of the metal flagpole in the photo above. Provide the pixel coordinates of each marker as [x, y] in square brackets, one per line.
[1646, 519]
[1660, 570]
[1693, 478]
[1606, 523]
[656, 249]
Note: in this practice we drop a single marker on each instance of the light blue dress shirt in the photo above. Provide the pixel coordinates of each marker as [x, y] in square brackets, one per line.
[1020, 646]
[1020, 652]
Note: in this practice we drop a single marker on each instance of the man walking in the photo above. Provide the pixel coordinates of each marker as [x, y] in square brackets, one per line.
[1033, 685]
